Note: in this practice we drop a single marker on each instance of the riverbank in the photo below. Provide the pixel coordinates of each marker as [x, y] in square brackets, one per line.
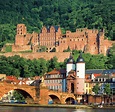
[57, 106]
[49, 106]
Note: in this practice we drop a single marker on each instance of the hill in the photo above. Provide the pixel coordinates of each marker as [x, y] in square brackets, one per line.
[69, 14]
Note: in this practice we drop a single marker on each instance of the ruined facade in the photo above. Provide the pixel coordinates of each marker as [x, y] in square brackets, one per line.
[25, 41]
[88, 40]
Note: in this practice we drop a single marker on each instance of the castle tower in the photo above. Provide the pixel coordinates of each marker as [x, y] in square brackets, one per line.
[80, 73]
[21, 29]
[21, 35]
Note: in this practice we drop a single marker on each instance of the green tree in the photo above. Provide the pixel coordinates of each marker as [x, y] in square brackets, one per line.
[52, 63]
[111, 56]
[95, 89]
[17, 96]
[107, 89]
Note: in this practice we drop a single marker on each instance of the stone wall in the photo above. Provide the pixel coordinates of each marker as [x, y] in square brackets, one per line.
[61, 55]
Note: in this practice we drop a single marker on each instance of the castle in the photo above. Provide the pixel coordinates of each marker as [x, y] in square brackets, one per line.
[87, 40]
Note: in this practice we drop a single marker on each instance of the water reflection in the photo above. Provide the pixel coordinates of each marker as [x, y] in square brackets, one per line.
[38, 109]
[81, 110]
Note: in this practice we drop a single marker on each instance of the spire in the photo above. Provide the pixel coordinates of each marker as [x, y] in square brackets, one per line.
[70, 60]
[80, 58]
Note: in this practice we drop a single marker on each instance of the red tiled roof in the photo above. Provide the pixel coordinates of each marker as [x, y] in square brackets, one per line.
[96, 75]
[55, 71]
[11, 78]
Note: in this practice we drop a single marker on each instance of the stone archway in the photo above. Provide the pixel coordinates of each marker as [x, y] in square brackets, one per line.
[24, 93]
[70, 100]
[55, 99]
[9, 95]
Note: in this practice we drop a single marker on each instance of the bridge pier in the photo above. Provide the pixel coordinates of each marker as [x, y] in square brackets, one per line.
[43, 99]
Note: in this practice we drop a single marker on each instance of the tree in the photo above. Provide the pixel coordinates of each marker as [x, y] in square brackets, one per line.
[19, 97]
[95, 89]
[107, 89]
[111, 57]
[53, 63]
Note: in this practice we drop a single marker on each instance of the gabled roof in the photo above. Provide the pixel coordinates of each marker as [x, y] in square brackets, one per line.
[55, 27]
[55, 71]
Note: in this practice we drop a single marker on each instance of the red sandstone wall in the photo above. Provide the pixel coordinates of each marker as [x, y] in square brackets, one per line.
[17, 48]
[88, 40]
[61, 56]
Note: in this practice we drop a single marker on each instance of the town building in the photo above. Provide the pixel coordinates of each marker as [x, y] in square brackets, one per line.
[55, 80]
[71, 80]
[77, 80]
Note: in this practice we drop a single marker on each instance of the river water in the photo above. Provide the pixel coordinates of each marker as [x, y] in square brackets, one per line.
[39, 109]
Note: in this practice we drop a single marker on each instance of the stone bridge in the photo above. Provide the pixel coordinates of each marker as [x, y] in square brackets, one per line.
[25, 90]
[40, 95]
[61, 97]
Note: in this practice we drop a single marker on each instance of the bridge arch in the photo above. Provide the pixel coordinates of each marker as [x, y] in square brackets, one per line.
[9, 94]
[25, 90]
[24, 93]
[55, 99]
[69, 100]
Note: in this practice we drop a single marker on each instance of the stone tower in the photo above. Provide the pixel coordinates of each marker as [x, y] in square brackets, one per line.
[21, 34]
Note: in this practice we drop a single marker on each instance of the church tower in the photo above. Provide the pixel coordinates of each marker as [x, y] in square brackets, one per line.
[80, 75]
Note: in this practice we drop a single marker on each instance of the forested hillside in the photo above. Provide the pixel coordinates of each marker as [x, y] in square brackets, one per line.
[22, 67]
[69, 14]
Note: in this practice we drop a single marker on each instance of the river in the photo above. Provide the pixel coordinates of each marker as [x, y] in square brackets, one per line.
[39, 109]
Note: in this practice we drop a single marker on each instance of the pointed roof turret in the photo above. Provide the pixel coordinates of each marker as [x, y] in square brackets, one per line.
[70, 60]
[80, 59]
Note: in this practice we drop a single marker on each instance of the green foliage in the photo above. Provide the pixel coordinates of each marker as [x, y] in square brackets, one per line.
[22, 67]
[107, 89]
[53, 64]
[95, 89]
[93, 61]
[67, 50]
[69, 14]
[111, 61]
[43, 49]
[8, 48]
[17, 96]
